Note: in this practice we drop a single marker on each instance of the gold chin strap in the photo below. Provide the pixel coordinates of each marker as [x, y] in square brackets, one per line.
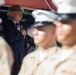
[55, 22]
[48, 4]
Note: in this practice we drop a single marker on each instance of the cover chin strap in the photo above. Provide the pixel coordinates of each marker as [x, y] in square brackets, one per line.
[48, 4]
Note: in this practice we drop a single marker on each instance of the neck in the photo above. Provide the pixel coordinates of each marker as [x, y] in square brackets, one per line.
[45, 48]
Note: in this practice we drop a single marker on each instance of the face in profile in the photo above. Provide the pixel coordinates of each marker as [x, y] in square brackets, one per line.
[66, 31]
[43, 35]
[17, 15]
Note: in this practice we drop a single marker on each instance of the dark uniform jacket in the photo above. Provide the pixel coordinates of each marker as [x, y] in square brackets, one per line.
[15, 39]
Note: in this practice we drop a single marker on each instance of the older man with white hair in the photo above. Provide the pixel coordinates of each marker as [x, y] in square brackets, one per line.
[14, 33]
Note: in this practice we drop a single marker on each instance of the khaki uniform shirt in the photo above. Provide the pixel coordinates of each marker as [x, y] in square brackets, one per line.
[4, 64]
[32, 66]
[51, 65]
[6, 58]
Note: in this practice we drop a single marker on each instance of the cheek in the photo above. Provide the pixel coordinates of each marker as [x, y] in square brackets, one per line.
[47, 35]
[67, 28]
[69, 31]
[42, 34]
[19, 17]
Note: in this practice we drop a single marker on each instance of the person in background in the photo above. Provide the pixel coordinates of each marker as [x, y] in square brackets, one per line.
[36, 63]
[6, 55]
[14, 33]
[6, 58]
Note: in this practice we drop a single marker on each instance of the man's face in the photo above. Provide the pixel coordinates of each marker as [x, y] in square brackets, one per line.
[66, 31]
[43, 35]
[17, 15]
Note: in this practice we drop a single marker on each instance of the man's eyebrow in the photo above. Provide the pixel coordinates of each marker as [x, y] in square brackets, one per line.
[65, 21]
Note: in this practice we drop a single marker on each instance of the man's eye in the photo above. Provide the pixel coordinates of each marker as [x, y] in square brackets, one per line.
[66, 21]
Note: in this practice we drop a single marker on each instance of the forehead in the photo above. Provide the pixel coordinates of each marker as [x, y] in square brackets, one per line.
[68, 21]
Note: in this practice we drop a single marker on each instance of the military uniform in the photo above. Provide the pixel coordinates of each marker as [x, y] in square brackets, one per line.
[66, 10]
[63, 66]
[6, 58]
[32, 66]
[37, 63]
[4, 64]
[51, 65]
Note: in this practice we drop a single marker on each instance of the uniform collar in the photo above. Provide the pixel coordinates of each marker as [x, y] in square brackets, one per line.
[52, 51]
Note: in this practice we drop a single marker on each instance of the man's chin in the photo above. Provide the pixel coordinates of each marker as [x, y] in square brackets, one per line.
[36, 42]
[60, 39]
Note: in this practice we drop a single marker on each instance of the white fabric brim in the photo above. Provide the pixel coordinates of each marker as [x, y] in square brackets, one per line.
[30, 31]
